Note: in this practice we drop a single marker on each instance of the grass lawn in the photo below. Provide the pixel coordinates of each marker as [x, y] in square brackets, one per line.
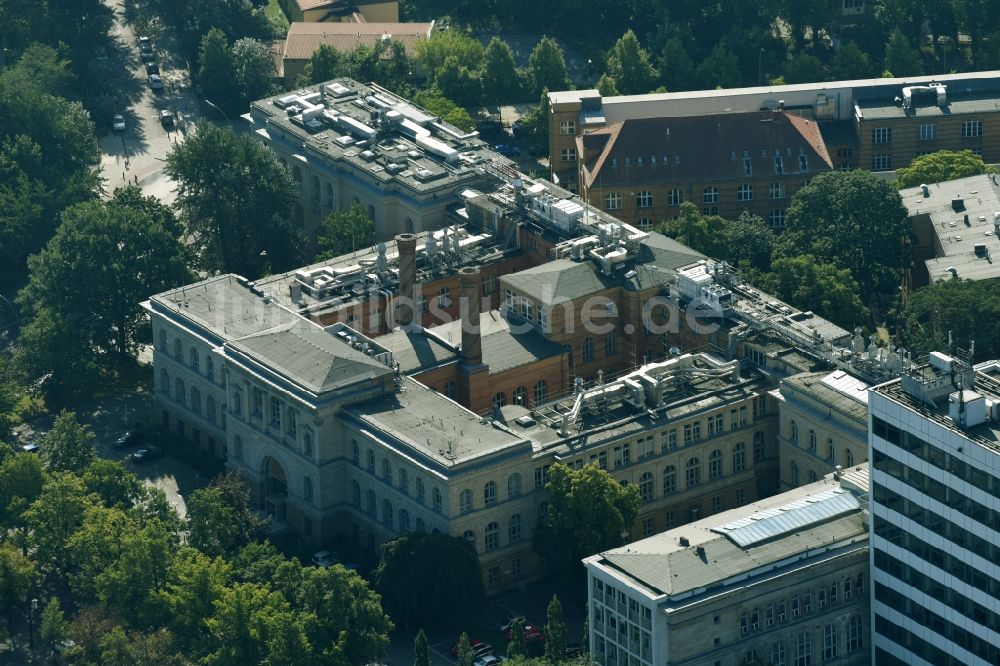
[277, 15]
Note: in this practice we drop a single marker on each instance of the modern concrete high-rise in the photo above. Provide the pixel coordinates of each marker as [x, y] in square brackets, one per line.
[935, 450]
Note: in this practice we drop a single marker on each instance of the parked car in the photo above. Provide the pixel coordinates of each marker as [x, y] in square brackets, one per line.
[505, 626]
[166, 118]
[152, 68]
[146, 454]
[479, 648]
[127, 439]
[531, 633]
[324, 558]
[144, 42]
[489, 660]
[508, 149]
[118, 123]
[155, 82]
[30, 447]
[147, 56]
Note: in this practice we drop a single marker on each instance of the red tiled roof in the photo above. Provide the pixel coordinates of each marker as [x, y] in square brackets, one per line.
[304, 38]
[701, 148]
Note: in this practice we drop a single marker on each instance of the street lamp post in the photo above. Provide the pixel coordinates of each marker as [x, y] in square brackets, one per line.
[224, 114]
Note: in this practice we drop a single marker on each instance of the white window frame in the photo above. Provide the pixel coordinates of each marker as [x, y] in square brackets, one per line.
[613, 201]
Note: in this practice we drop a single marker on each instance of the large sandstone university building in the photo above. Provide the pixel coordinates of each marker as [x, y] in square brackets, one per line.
[430, 382]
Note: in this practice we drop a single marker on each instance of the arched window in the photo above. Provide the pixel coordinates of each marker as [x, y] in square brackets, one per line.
[492, 536]
[465, 501]
[669, 480]
[371, 501]
[541, 391]
[297, 174]
[436, 500]
[419, 484]
[514, 528]
[739, 457]
[387, 512]
[307, 489]
[714, 465]
[470, 536]
[404, 521]
[831, 450]
[812, 441]
[194, 359]
[778, 654]
[355, 452]
[514, 485]
[178, 350]
[386, 470]
[751, 658]
[499, 400]
[404, 481]
[371, 461]
[164, 380]
[163, 339]
[180, 392]
[795, 432]
[848, 458]
[419, 525]
[646, 487]
[355, 493]
[692, 472]
[520, 395]
[490, 493]
[195, 400]
[210, 409]
[813, 478]
[210, 367]
[795, 473]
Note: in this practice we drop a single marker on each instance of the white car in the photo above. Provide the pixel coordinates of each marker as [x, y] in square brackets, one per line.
[489, 660]
[118, 123]
[324, 558]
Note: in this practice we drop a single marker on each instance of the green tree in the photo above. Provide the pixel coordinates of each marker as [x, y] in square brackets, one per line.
[421, 570]
[750, 242]
[17, 578]
[804, 68]
[857, 221]
[124, 250]
[823, 288]
[900, 57]
[705, 233]
[130, 585]
[500, 77]
[459, 82]
[216, 76]
[253, 70]
[434, 101]
[116, 486]
[676, 66]
[42, 68]
[10, 391]
[850, 62]
[536, 124]
[555, 632]
[220, 520]
[69, 445]
[589, 511]
[963, 309]
[720, 69]
[941, 166]
[22, 477]
[517, 647]
[628, 64]
[422, 656]
[194, 583]
[344, 231]
[239, 625]
[234, 198]
[548, 66]
[464, 650]
[54, 517]
[94, 546]
[606, 86]
[324, 64]
[434, 51]
[53, 625]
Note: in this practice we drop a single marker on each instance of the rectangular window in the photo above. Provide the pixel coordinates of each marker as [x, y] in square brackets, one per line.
[795, 606]
[696, 431]
[644, 447]
[567, 154]
[769, 617]
[741, 496]
[781, 611]
[716, 504]
[543, 320]
[776, 190]
[803, 164]
[882, 162]
[882, 135]
[669, 439]
[276, 413]
[778, 167]
[807, 602]
[744, 192]
[567, 127]
[670, 520]
[613, 201]
[541, 476]
[972, 128]
[927, 132]
[747, 167]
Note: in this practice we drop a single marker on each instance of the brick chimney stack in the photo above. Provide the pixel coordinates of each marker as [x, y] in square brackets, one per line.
[406, 245]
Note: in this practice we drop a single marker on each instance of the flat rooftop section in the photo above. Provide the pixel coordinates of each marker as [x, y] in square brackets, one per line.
[955, 241]
[958, 104]
[838, 390]
[311, 357]
[433, 426]
[227, 306]
[305, 37]
[805, 519]
[369, 129]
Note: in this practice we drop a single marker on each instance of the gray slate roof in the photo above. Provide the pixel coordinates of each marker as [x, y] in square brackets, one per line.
[310, 357]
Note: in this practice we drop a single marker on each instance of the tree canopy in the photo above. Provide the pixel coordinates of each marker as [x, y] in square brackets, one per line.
[418, 571]
[941, 166]
[820, 287]
[344, 231]
[968, 309]
[69, 445]
[235, 200]
[220, 519]
[589, 511]
[547, 66]
[629, 66]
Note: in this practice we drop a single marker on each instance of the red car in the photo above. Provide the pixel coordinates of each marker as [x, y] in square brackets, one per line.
[531, 634]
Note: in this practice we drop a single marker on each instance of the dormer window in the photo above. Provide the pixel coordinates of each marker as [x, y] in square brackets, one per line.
[614, 162]
[628, 161]
[803, 163]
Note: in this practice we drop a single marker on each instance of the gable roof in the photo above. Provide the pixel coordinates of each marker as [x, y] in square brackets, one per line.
[310, 356]
[701, 148]
[305, 37]
[559, 281]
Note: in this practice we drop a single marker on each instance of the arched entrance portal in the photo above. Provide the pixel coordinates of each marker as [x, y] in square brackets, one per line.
[275, 489]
